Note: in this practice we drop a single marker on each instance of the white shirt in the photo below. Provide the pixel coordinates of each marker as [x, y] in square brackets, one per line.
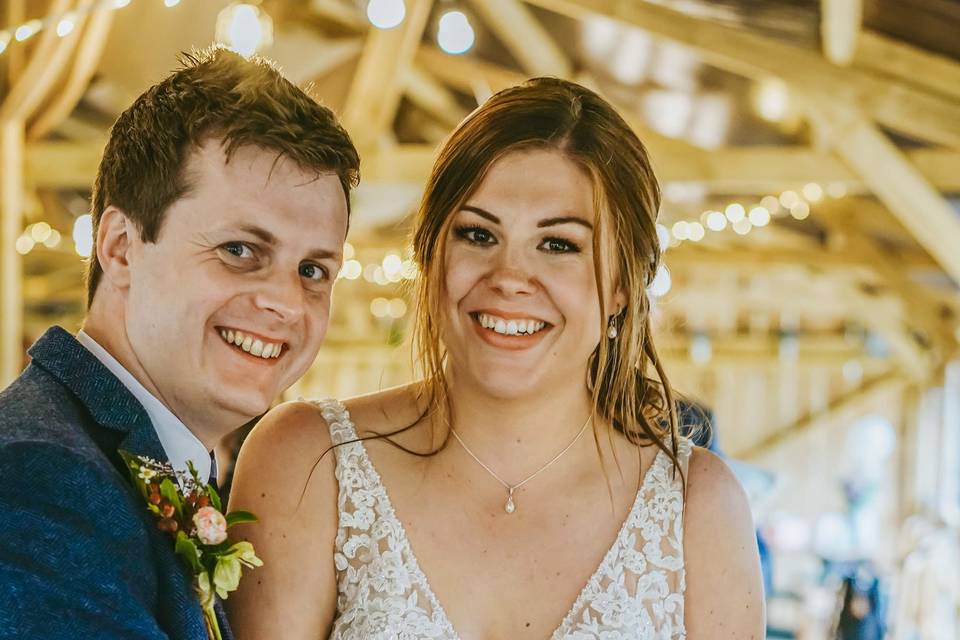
[179, 443]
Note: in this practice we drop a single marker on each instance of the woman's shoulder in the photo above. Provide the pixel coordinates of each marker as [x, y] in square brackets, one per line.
[712, 485]
[717, 511]
[386, 411]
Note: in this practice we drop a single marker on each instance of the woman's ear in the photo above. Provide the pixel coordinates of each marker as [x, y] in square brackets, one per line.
[619, 301]
[114, 235]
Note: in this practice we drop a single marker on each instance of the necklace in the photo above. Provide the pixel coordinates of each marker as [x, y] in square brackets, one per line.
[510, 505]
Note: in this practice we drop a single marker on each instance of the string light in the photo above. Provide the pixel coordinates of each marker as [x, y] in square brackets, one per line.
[83, 235]
[454, 33]
[735, 212]
[386, 14]
[244, 28]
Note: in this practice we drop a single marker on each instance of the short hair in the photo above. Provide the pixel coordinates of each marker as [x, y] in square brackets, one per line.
[215, 94]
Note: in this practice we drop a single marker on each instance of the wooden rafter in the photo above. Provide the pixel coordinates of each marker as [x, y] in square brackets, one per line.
[893, 103]
[377, 86]
[897, 183]
[849, 404]
[840, 22]
[525, 37]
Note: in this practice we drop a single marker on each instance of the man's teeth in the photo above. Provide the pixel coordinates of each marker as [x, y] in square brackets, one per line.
[511, 327]
[251, 345]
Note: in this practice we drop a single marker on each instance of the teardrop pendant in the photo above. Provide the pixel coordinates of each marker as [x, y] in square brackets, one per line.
[510, 507]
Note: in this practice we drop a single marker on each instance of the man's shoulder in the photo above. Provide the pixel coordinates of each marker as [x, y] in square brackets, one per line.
[38, 408]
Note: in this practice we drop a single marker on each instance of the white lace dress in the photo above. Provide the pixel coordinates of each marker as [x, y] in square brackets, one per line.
[636, 592]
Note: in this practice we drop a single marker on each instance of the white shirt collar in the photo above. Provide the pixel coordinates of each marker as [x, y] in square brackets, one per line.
[179, 443]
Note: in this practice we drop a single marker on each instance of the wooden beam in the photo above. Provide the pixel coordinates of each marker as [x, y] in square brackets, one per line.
[376, 89]
[883, 55]
[890, 102]
[736, 171]
[433, 97]
[12, 134]
[524, 37]
[851, 405]
[898, 184]
[840, 22]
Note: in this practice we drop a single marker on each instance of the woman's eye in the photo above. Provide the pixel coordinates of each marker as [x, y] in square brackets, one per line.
[238, 249]
[313, 272]
[559, 245]
[475, 235]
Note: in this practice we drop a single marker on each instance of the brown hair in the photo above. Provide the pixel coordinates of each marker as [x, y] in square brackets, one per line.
[214, 94]
[548, 113]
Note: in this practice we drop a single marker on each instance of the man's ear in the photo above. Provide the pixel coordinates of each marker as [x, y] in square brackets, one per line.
[114, 237]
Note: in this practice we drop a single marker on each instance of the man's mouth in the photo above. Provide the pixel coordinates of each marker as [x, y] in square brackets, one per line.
[252, 344]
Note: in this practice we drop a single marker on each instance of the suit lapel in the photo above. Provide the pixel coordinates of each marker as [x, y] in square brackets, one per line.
[109, 402]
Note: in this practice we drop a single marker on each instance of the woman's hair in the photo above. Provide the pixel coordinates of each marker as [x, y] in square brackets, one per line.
[553, 114]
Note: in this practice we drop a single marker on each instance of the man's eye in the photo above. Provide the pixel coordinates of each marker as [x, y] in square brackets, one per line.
[313, 272]
[238, 249]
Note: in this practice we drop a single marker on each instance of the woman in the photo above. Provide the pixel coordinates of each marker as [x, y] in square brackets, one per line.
[534, 483]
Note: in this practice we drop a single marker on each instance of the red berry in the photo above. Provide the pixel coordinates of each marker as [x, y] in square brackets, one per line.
[167, 524]
[154, 498]
[167, 510]
[204, 501]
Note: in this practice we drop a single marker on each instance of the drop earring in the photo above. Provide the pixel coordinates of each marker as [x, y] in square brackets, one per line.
[612, 328]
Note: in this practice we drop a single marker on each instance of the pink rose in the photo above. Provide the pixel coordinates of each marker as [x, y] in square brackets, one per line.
[211, 525]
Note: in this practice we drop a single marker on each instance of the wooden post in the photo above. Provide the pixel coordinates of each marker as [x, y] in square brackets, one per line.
[11, 262]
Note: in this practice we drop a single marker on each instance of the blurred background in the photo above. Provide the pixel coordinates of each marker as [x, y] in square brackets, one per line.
[808, 307]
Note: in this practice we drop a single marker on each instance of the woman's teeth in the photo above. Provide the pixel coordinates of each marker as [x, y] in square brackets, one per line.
[510, 327]
[251, 345]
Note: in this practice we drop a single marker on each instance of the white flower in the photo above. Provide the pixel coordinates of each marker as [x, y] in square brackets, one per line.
[211, 525]
[147, 474]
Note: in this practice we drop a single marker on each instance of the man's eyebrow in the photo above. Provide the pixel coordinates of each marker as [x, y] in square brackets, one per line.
[270, 239]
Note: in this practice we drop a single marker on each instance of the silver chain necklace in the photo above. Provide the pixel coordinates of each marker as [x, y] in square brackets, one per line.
[510, 505]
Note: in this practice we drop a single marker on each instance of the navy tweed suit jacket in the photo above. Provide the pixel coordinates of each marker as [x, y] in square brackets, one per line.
[80, 556]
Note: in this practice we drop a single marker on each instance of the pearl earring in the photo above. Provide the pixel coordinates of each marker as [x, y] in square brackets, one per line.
[612, 328]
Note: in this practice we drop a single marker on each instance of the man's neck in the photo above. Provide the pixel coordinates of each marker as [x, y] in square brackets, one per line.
[203, 424]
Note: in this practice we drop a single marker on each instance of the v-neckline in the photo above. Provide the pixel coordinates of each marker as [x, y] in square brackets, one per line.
[420, 578]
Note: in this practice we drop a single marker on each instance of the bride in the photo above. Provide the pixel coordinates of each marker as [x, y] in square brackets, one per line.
[533, 484]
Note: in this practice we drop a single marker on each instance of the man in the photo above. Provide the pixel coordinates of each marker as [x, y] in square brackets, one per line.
[220, 211]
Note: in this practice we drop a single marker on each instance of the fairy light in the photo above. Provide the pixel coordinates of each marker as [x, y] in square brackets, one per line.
[24, 245]
[812, 192]
[40, 232]
[716, 221]
[680, 230]
[742, 226]
[83, 235]
[789, 199]
[696, 231]
[65, 27]
[800, 211]
[454, 33]
[735, 212]
[759, 216]
[386, 14]
[27, 30]
[244, 28]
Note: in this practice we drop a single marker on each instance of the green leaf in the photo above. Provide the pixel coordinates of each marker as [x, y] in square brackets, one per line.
[169, 491]
[226, 577]
[214, 498]
[133, 466]
[187, 549]
[240, 517]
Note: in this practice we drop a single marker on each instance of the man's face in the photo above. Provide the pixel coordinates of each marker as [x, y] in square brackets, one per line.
[229, 306]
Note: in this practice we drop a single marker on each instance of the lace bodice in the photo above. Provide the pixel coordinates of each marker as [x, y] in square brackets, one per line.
[636, 592]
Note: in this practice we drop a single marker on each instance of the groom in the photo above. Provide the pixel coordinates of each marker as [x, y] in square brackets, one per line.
[220, 212]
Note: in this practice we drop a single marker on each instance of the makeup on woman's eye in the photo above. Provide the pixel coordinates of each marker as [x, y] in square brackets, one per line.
[474, 234]
[559, 245]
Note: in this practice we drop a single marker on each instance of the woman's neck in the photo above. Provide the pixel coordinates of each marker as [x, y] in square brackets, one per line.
[517, 432]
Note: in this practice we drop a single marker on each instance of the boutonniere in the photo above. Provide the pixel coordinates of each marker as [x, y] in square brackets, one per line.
[190, 511]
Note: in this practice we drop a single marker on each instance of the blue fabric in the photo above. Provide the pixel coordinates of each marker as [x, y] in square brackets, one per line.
[80, 556]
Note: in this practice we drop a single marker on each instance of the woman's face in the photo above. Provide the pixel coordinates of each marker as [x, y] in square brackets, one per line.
[521, 302]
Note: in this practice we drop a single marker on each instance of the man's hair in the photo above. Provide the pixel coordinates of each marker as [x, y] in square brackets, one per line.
[215, 94]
